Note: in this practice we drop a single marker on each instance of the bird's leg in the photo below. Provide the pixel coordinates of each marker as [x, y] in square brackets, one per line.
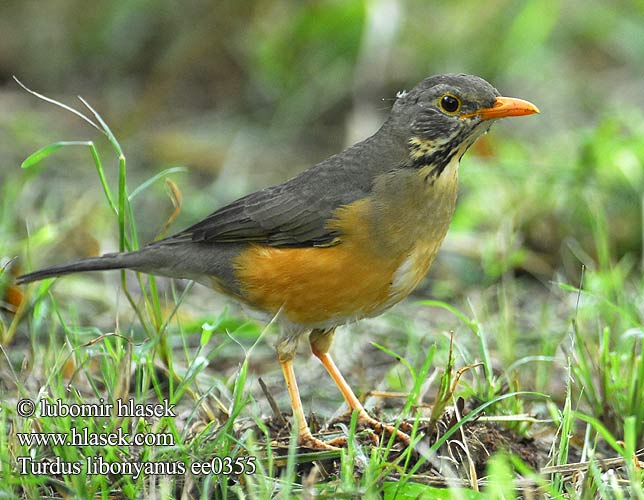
[304, 436]
[320, 341]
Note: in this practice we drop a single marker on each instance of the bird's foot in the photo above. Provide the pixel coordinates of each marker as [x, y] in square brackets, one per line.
[380, 428]
[307, 440]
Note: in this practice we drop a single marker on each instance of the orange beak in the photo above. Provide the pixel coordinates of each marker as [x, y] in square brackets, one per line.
[503, 107]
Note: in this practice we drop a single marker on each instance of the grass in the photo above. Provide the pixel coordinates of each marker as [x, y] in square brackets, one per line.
[564, 359]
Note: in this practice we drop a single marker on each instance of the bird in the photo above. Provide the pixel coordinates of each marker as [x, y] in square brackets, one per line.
[341, 241]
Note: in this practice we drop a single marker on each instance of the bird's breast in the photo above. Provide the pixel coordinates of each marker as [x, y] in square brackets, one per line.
[417, 208]
[387, 244]
[316, 287]
[411, 270]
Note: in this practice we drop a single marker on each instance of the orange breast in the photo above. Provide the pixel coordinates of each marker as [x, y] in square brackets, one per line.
[322, 286]
[315, 286]
[385, 249]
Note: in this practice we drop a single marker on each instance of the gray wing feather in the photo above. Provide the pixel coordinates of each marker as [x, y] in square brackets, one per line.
[296, 213]
[288, 215]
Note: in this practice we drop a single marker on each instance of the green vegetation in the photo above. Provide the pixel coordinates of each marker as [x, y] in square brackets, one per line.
[522, 355]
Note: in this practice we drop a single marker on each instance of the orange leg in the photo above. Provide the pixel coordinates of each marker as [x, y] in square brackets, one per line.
[320, 341]
[351, 399]
[305, 438]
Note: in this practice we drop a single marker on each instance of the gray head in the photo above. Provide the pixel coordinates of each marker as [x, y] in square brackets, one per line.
[445, 114]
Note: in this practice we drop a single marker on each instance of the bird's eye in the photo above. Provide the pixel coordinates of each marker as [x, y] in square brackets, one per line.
[450, 103]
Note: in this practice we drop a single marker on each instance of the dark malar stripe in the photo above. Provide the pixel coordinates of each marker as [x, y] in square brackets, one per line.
[438, 158]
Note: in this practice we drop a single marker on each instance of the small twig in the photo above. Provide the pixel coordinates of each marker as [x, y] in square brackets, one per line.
[386, 394]
[459, 374]
[174, 193]
[606, 463]
[273, 404]
[521, 417]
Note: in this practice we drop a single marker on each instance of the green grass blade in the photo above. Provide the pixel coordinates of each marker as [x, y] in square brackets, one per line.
[448, 307]
[164, 173]
[418, 491]
[603, 432]
[398, 357]
[104, 127]
[59, 104]
[122, 200]
[35, 158]
[101, 175]
[470, 416]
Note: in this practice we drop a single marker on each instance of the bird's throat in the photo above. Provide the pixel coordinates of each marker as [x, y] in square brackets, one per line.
[434, 155]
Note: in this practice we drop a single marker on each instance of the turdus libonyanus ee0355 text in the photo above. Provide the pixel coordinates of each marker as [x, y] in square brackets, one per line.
[343, 240]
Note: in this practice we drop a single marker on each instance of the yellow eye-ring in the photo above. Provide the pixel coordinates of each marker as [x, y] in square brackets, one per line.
[450, 104]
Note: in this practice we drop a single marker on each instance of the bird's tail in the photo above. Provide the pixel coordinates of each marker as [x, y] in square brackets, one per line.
[102, 263]
[198, 262]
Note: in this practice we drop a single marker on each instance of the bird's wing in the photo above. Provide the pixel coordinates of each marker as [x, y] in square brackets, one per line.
[293, 214]
[297, 212]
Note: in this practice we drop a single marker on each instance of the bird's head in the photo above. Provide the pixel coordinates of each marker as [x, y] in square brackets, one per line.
[443, 115]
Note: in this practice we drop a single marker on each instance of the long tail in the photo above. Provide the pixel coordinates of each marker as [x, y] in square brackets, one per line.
[102, 263]
[194, 261]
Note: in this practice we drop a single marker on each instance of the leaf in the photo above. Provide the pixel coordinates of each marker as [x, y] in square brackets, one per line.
[175, 198]
[164, 173]
[35, 158]
[448, 307]
[207, 329]
[418, 491]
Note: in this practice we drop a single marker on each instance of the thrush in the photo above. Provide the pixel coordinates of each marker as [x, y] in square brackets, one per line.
[344, 240]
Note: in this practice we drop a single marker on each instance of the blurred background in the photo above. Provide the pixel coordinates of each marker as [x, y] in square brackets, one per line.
[243, 94]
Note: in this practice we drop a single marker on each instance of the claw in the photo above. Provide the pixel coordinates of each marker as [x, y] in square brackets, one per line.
[307, 440]
[382, 428]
